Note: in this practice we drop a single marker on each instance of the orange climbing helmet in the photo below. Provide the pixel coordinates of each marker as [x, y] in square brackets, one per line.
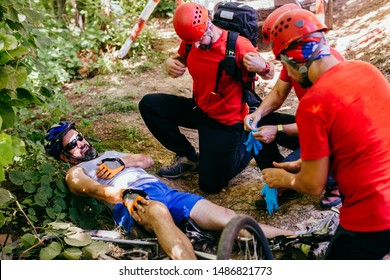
[291, 26]
[270, 20]
[190, 22]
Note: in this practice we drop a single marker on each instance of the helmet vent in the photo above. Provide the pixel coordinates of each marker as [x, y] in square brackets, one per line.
[300, 23]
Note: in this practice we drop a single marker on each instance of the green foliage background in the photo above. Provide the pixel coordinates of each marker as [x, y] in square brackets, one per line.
[41, 49]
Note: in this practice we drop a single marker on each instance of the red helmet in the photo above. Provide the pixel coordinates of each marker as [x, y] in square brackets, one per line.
[270, 20]
[291, 26]
[190, 22]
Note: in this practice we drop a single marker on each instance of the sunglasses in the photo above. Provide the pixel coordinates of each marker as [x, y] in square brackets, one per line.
[73, 143]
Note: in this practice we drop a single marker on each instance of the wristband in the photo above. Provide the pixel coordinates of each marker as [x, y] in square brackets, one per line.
[266, 70]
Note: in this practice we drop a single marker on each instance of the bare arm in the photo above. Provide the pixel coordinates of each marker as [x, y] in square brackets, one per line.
[271, 102]
[138, 160]
[80, 184]
[310, 179]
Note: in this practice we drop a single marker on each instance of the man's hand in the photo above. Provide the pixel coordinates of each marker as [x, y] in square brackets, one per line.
[276, 178]
[174, 67]
[251, 120]
[134, 200]
[109, 167]
[266, 133]
[253, 62]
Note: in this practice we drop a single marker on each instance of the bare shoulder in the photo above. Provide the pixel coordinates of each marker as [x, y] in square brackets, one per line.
[74, 171]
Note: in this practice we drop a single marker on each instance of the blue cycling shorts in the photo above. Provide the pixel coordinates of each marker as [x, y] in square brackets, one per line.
[178, 203]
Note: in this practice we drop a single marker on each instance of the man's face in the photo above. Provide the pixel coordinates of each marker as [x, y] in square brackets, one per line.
[79, 148]
[205, 41]
[294, 74]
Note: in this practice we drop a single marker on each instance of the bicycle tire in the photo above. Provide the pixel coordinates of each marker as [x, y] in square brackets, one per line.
[230, 244]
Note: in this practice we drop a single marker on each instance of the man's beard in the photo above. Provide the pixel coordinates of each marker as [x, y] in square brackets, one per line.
[306, 83]
[90, 154]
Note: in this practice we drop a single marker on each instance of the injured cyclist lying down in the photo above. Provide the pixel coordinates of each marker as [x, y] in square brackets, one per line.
[114, 177]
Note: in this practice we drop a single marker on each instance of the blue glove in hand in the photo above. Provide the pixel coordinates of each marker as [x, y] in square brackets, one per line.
[252, 143]
[271, 198]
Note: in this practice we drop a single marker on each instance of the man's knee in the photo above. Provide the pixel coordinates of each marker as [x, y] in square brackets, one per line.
[155, 212]
[212, 186]
[145, 102]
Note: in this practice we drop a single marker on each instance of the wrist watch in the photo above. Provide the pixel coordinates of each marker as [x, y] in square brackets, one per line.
[280, 133]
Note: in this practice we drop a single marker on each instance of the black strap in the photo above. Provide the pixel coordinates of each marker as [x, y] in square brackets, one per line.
[229, 62]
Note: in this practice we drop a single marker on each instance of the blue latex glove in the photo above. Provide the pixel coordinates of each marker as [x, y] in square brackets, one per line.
[271, 198]
[252, 143]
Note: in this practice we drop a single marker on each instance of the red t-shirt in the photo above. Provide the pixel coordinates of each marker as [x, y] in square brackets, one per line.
[300, 91]
[346, 115]
[228, 108]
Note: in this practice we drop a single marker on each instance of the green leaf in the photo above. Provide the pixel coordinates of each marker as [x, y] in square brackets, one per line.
[95, 249]
[51, 213]
[5, 197]
[74, 214]
[6, 151]
[29, 187]
[60, 203]
[28, 240]
[79, 239]
[59, 226]
[2, 42]
[2, 173]
[61, 185]
[45, 180]
[21, 76]
[10, 42]
[29, 174]
[51, 251]
[40, 199]
[16, 177]
[5, 57]
[47, 168]
[26, 95]
[2, 220]
[47, 92]
[8, 116]
[18, 146]
[72, 253]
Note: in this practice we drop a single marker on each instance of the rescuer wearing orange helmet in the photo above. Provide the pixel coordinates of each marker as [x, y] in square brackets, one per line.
[343, 123]
[280, 129]
[217, 116]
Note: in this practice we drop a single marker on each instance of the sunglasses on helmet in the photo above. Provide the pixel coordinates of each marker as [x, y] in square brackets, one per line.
[73, 143]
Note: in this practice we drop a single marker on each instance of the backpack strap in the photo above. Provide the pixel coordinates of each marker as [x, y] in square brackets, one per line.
[230, 66]
[229, 62]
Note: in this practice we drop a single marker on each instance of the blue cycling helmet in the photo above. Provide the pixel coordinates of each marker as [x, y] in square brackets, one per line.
[54, 137]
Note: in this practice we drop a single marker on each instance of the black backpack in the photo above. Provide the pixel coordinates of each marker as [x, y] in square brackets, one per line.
[238, 19]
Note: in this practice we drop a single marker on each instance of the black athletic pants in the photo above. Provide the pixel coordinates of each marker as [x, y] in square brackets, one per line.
[270, 152]
[221, 149]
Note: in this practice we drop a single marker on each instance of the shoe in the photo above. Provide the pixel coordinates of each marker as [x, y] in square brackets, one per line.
[283, 197]
[331, 197]
[181, 166]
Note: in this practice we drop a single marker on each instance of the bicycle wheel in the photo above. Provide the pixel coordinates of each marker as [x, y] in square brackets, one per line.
[243, 239]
